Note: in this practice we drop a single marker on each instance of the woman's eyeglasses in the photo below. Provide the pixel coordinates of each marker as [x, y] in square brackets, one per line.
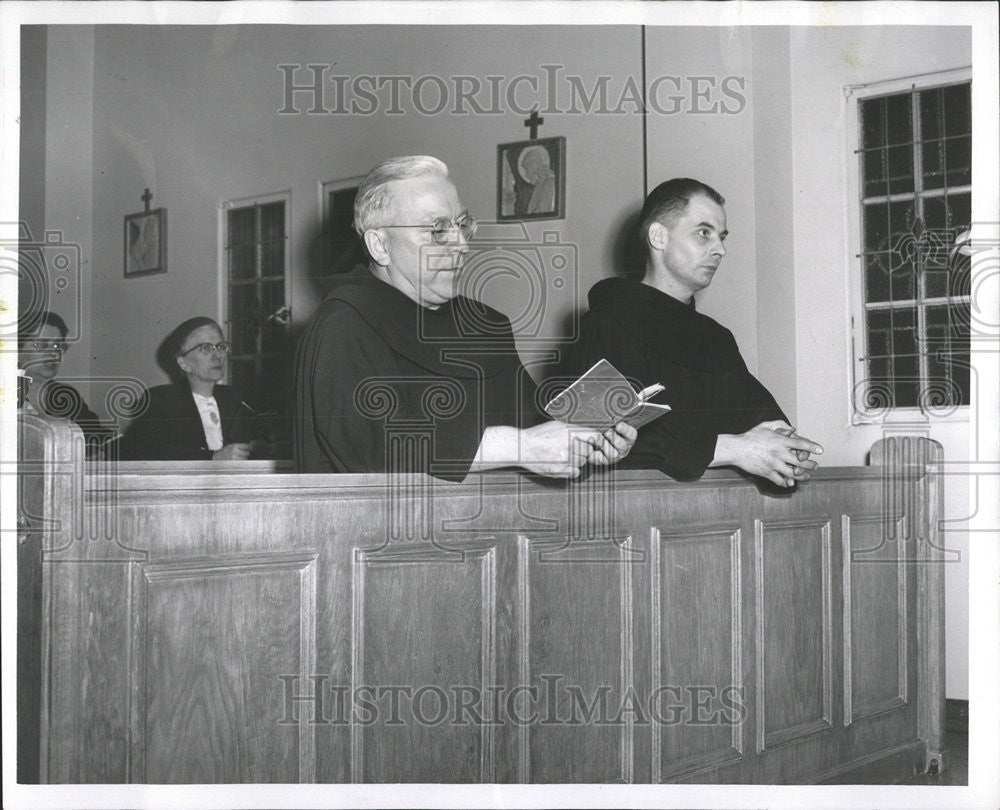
[205, 349]
[49, 345]
[442, 229]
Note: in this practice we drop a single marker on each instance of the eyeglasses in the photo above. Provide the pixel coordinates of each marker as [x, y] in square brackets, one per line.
[441, 229]
[49, 345]
[205, 349]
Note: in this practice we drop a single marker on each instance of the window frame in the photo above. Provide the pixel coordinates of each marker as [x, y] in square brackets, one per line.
[858, 334]
[222, 227]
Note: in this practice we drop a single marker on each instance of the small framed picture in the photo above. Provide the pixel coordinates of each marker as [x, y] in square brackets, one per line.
[146, 243]
[531, 179]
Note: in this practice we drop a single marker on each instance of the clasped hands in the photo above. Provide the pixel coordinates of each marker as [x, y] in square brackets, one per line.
[772, 450]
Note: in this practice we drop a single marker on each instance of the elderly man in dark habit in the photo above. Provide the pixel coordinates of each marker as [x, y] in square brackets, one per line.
[397, 372]
[650, 331]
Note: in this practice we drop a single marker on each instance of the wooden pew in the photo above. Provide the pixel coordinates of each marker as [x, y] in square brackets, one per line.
[196, 622]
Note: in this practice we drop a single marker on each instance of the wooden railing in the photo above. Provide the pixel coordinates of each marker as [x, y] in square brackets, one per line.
[197, 623]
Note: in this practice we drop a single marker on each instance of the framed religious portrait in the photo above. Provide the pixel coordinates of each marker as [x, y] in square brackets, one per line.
[146, 243]
[531, 179]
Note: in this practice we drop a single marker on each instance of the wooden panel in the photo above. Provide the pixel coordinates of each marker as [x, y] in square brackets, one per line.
[173, 670]
[794, 629]
[696, 649]
[577, 653]
[423, 645]
[875, 616]
[209, 646]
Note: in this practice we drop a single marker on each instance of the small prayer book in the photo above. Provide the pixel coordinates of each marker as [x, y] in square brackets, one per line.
[602, 397]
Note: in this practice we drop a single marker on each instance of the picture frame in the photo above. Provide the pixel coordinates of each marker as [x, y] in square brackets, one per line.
[531, 180]
[145, 249]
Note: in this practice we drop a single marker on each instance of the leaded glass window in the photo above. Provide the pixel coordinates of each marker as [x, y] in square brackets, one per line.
[915, 161]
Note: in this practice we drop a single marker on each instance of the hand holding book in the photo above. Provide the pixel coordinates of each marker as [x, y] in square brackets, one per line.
[603, 397]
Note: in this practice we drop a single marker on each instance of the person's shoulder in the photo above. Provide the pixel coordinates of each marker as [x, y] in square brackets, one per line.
[473, 315]
[356, 297]
[617, 294]
[614, 302]
[347, 315]
[164, 396]
[357, 289]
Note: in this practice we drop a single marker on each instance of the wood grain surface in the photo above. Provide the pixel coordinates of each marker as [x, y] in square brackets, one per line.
[201, 624]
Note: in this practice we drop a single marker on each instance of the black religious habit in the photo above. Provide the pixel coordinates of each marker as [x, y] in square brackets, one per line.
[653, 338]
[386, 385]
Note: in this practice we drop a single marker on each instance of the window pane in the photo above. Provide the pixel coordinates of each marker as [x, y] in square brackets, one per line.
[273, 298]
[899, 118]
[936, 215]
[959, 211]
[958, 109]
[947, 355]
[879, 333]
[893, 332]
[931, 114]
[906, 362]
[900, 169]
[904, 331]
[241, 226]
[272, 221]
[960, 279]
[272, 258]
[935, 282]
[906, 382]
[242, 254]
[901, 217]
[876, 278]
[242, 261]
[244, 314]
[876, 226]
[878, 392]
[875, 173]
[873, 122]
[903, 282]
[932, 154]
[958, 160]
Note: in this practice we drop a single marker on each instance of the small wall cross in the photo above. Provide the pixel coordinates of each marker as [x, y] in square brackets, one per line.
[532, 121]
[146, 197]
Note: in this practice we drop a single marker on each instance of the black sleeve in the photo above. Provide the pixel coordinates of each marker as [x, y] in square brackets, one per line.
[675, 444]
[155, 435]
[761, 402]
[354, 389]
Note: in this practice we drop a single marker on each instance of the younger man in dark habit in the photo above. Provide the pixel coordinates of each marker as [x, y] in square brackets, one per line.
[652, 333]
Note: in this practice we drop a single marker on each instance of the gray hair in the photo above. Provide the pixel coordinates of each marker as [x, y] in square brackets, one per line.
[374, 198]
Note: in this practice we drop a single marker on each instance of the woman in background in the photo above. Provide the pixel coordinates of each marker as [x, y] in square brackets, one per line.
[41, 346]
[194, 418]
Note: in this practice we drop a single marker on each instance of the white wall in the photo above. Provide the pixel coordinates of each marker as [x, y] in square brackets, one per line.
[823, 61]
[714, 147]
[190, 112]
[68, 195]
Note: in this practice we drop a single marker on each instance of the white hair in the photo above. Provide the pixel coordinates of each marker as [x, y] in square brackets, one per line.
[374, 198]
